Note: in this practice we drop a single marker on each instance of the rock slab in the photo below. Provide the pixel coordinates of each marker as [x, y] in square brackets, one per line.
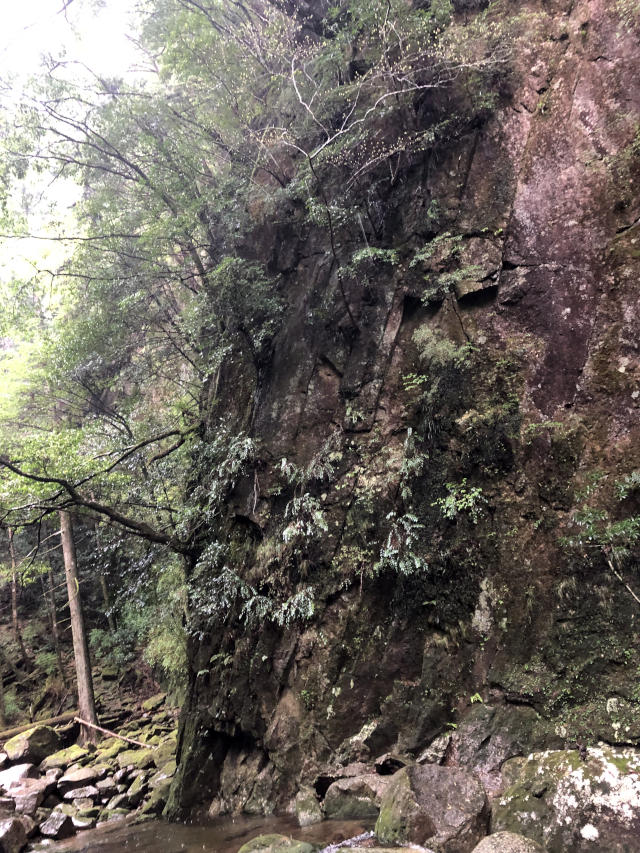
[442, 808]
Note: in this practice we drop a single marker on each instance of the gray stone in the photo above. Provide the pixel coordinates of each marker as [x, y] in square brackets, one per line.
[76, 793]
[355, 797]
[275, 844]
[64, 757]
[13, 836]
[571, 803]
[30, 825]
[307, 808]
[14, 775]
[442, 808]
[507, 842]
[57, 825]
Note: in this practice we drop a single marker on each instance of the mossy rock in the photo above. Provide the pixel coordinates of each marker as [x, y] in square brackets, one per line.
[307, 807]
[141, 759]
[571, 803]
[154, 702]
[158, 799]
[275, 843]
[64, 758]
[111, 749]
[34, 745]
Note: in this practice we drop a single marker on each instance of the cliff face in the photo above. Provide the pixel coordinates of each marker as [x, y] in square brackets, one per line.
[505, 363]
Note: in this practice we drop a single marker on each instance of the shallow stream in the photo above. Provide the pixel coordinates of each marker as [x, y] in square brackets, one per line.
[223, 835]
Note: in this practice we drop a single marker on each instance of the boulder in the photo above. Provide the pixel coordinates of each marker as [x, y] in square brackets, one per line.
[507, 842]
[442, 808]
[355, 797]
[487, 737]
[13, 776]
[29, 824]
[436, 751]
[29, 796]
[307, 807]
[57, 825]
[140, 759]
[137, 790]
[157, 800]
[64, 758]
[7, 807]
[89, 791]
[275, 844]
[166, 772]
[33, 745]
[13, 836]
[81, 777]
[154, 702]
[570, 803]
[391, 762]
[107, 787]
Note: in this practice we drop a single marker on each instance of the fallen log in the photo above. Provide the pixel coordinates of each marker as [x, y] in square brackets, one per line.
[67, 717]
[109, 733]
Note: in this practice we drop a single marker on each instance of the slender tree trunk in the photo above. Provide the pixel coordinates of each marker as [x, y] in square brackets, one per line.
[50, 597]
[107, 603]
[86, 701]
[14, 598]
[3, 720]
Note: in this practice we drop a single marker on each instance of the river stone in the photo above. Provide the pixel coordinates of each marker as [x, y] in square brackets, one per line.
[81, 777]
[307, 808]
[140, 759]
[355, 797]
[29, 824]
[33, 745]
[13, 836]
[29, 796]
[89, 791]
[275, 844]
[57, 825]
[64, 758]
[107, 787]
[7, 807]
[507, 842]
[154, 702]
[14, 775]
[442, 808]
[572, 805]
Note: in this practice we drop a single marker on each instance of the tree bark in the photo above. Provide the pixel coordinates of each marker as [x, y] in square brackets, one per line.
[86, 701]
[15, 622]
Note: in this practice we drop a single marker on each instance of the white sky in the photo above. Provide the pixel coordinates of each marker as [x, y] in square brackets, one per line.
[90, 34]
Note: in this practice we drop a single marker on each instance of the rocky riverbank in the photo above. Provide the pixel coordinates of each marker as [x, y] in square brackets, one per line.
[48, 792]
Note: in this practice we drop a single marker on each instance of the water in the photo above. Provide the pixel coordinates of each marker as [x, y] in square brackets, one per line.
[223, 835]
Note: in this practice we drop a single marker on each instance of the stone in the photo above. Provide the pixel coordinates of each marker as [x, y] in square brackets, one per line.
[307, 808]
[157, 800]
[167, 771]
[154, 702]
[30, 795]
[118, 802]
[487, 737]
[64, 758]
[111, 749]
[507, 842]
[81, 777]
[57, 825]
[140, 759]
[355, 797]
[274, 843]
[89, 791]
[33, 745]
[435, 752]
[82, 803]
[14, 775]
[442, 808]
[7, 807]
[110, 673]
[84, 822]
[137, 790]
[573, 803]
[30, 825]
[106, 787]
[13, 836]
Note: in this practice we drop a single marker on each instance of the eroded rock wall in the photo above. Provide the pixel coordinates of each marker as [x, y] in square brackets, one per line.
[538, 389]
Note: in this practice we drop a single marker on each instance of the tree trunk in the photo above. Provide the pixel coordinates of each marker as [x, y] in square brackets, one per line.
[107, 604]
[50, 597]
[86, 702]
[14, 599]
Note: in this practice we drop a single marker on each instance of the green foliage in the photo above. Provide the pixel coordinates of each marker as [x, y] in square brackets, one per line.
[461, 500]
[400, 553]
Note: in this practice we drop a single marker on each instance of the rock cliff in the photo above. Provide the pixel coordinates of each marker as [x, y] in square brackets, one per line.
[449, 414]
